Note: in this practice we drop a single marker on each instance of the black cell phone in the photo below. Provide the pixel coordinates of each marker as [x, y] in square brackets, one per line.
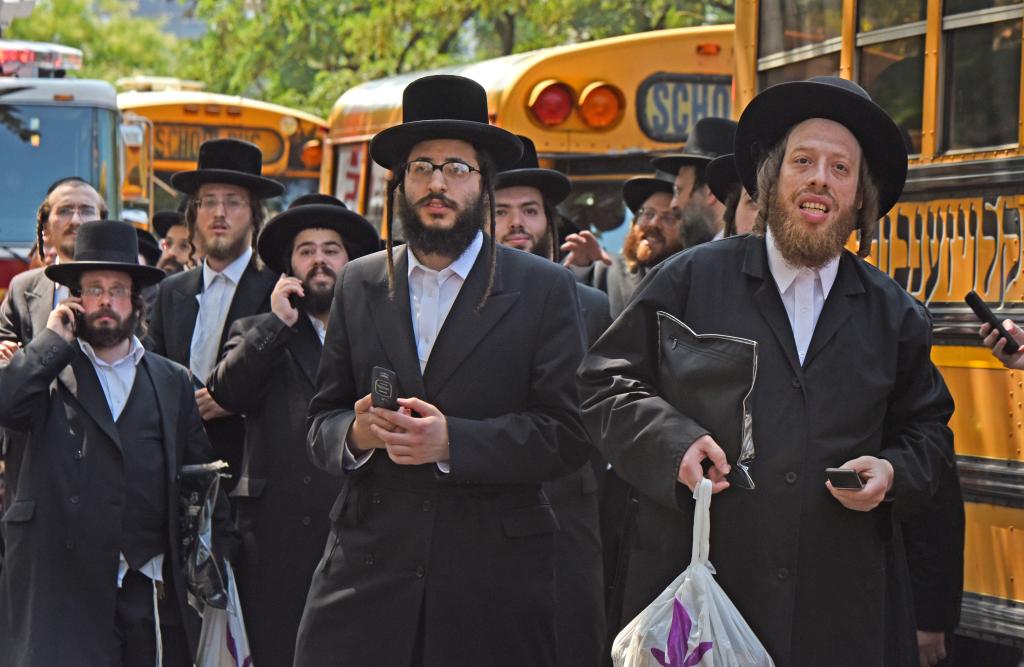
[844, 478]
[985, 314]
[293, 300]
[384, 388]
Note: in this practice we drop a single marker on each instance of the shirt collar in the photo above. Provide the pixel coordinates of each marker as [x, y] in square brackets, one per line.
[462, 264]
[232, 271]
[319, 327]
[785, 274]
[135, 353]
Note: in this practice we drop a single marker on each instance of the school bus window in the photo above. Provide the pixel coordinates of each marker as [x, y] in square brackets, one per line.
[878, 14]
[594, 205]
[826, 65]
[789, 24]
[982, 86]
[893, 74]
[950, 7]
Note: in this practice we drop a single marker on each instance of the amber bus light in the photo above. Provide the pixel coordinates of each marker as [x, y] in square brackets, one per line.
[601, 105]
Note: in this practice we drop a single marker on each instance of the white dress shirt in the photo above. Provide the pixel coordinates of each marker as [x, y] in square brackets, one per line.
[803, 292]
[60, 292]
[431, 296]
[117, 380]
[319, 327]
[214, 303]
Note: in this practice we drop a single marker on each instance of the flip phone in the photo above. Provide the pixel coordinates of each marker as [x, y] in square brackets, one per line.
[985, 314]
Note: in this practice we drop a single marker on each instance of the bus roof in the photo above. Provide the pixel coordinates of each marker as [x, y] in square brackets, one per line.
[135, 100]
[368, 108]
[71, 92]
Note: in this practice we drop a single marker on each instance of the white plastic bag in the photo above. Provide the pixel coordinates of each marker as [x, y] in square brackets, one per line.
[692, 623]
[222, 640]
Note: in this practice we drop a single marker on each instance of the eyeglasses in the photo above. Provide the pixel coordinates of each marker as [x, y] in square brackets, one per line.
[649, 215]
[231, 204]
[116, 292]
[454, 171]
[85, 212]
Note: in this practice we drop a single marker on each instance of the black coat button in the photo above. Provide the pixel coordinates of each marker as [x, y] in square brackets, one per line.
[420, 571]
[795, 382]
[427, 506]
[307, 480]
[306, 521]
[79, 455]
[69, 545]
[790, 478]
[74, 500]
[375, 499]
[782, 574]
[368, 559]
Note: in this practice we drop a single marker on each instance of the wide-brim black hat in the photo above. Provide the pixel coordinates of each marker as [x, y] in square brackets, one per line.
[319, 212]
[553, 185]
[775, 110]
[164, 220]
[149, 247]
[711, 137]
[721, 176]
[636, 190]
[231, 162]
[105, 245]
[443, 106]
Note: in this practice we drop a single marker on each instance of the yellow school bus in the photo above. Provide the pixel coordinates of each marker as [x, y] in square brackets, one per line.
[183, 118]
[949, 73]
[596, 111]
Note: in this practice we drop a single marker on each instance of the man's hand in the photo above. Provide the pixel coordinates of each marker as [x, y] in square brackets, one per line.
[931, 647]
[279, 303]
[691, 472]
[62, 318]
[993, 340]
[209, 408]
[7, 349]
[361, 437]
[414, 440]
[877, 475]
[584, 249]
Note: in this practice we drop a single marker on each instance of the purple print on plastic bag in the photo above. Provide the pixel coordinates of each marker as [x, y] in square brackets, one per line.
[678, 635]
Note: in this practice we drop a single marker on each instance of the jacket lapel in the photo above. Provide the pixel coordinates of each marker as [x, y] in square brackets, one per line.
[766, 298]
[39, 301]
[80, 379]
[392, 318]
[837, 309]
[253, 289]
[306, 348]
[186, 310]
[466, 326]
[166, 406]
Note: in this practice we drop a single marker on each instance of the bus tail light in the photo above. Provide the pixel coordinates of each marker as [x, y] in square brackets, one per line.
[551, 102]
[709, 49]
[601, 105]
[312, 153]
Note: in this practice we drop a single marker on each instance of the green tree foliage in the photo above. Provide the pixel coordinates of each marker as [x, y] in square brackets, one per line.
[113, 42]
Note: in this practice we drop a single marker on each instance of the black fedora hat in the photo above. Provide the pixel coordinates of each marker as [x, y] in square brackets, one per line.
[636, 190]
[443, 106]
[105, 245]
[228, 161]
[710, 138]
[315, 211]
[554, 185]
[164, 220]
[149, 247]
[775, 110]
[721, 176]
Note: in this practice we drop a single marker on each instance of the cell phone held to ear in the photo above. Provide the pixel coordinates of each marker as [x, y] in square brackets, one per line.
[384, 388]
[985, 314]
[844, 478]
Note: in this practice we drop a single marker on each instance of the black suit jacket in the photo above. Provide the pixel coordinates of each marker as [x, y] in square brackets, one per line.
[807, 574]
[58, 585]
[268, 373]
[26, 306]
[410, 542]
[170, 334]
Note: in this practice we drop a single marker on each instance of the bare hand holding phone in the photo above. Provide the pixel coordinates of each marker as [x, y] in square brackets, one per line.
[63, 319]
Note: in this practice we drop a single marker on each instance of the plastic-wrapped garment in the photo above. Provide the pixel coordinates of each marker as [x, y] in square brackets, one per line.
[204, 578]
[692, 623]
[222, 641]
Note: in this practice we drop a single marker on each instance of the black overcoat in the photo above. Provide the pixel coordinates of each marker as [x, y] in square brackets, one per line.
[170, 334]
[470, 552]
[58, 579]
[806, 573]
[268, 373]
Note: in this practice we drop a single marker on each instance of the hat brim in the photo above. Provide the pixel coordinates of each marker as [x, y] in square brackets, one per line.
[357, 234]
[721, 177]
[775, 110]
[670, 164]
[554, 185]
[636, 191]
[391, 146]
[69, 272]
[189, 181]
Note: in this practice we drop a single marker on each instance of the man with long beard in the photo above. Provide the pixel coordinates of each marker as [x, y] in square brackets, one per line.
[268, 374]
[92, 567]
[441, 549]
[843, 379]
[195, 309]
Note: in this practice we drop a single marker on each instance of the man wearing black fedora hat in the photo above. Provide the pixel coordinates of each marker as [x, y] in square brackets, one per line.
[195, 308]
[740, 208]
[526, 196]
[268, 374]
[844, 379]
[91, 572]
[441, 549]
[177, 252]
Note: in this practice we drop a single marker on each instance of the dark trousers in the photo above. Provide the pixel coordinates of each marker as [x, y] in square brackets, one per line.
[134, 625]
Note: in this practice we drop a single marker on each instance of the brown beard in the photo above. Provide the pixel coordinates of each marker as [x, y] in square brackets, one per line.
[808, 247]
[106, 337]
[226, 249]
[318, 301]
[637, 254]
[436, 241]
